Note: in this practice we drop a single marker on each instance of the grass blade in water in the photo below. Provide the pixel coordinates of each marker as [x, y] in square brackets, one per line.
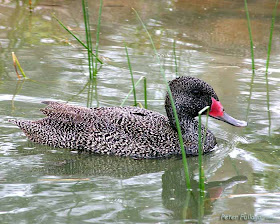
[136, 84]
[250, 34]
[200, 151]
[88, 38]
[76, 37]
[267, 62]
[175, 58]
[98, 32]
[252, 55]
[17, 64]
[131, 74]
[145, 93]
[172, 104]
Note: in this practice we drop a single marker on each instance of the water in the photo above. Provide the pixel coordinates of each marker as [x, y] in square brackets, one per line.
[40, 184]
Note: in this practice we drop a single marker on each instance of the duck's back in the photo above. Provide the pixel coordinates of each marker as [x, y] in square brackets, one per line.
[124, 131]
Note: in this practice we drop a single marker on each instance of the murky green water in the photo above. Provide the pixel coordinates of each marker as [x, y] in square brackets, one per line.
[40, 184]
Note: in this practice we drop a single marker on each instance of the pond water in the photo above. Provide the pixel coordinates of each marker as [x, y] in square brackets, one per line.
[40, 184]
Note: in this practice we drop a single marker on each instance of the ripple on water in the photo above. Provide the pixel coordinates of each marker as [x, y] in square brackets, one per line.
[267, 205]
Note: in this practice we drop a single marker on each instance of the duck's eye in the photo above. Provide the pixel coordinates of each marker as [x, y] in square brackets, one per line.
[196, 92]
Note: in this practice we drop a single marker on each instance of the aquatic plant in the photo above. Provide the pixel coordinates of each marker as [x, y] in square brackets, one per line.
[252, 56]
[91, 64]
[175, 58]
[78, 39]
[131, 75]
[131, 90]
[250, 36]
[134, 85]
[98, 32]
[267, 62]
[17, 64]
[92, 58]
[145, 93]
[91, 68]
[184, 158]
[200, 147]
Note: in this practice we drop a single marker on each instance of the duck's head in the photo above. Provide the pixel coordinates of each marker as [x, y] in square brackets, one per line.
[191, 95]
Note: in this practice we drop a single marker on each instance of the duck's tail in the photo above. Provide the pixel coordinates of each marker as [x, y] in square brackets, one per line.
[23, 125]
[63, 125]
[29, 128]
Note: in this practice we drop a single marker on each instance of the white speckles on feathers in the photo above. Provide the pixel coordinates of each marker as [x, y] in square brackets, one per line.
[122, 131]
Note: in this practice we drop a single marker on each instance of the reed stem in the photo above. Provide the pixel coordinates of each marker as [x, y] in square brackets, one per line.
[200, 150]
[250, 35]
[98, 33]
[88, 38]
[172, 104]
[267, 62]
[17, 64]
[145, 93]
[131, 75]
[175, 58]
[252, 56]
[131, 90]
[70, 32]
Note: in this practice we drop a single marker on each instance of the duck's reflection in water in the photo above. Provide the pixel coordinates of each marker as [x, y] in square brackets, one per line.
[182, 203]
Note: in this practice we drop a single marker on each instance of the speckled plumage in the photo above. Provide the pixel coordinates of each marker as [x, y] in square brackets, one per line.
[126, 131]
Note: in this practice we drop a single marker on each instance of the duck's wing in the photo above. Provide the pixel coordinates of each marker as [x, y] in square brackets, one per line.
[66, 113]
[103, 118]
[113, 130]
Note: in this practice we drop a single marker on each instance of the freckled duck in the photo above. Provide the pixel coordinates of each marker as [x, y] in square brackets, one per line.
[131, 131]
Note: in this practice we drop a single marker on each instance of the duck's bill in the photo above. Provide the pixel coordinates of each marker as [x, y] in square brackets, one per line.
[230, 120]
[217, 112]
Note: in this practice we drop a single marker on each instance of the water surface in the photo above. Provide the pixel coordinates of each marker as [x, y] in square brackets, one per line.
[40, 184]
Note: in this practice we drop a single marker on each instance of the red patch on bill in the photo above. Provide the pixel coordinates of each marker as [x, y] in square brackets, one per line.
[217, 109]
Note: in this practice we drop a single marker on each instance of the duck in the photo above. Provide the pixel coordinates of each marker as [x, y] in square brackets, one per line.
[132, 131]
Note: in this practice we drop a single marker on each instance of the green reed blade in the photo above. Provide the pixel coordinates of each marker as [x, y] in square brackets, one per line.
[267, 103]
[98, 32]
[88, 37]
[172, 103]
[91, 88]
[270, 36]
[90, 43]
[206, 126]
[252, 56]
[200, 150]
[250, 35]
[131, 90]
[145, 93]
[70, 32]
[250, 94]
[267, 62]
[175, 58]
[131, 74]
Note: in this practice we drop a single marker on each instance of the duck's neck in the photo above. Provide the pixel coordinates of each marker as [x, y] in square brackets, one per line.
[187, 124]
[189, 129]
[186, 121]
